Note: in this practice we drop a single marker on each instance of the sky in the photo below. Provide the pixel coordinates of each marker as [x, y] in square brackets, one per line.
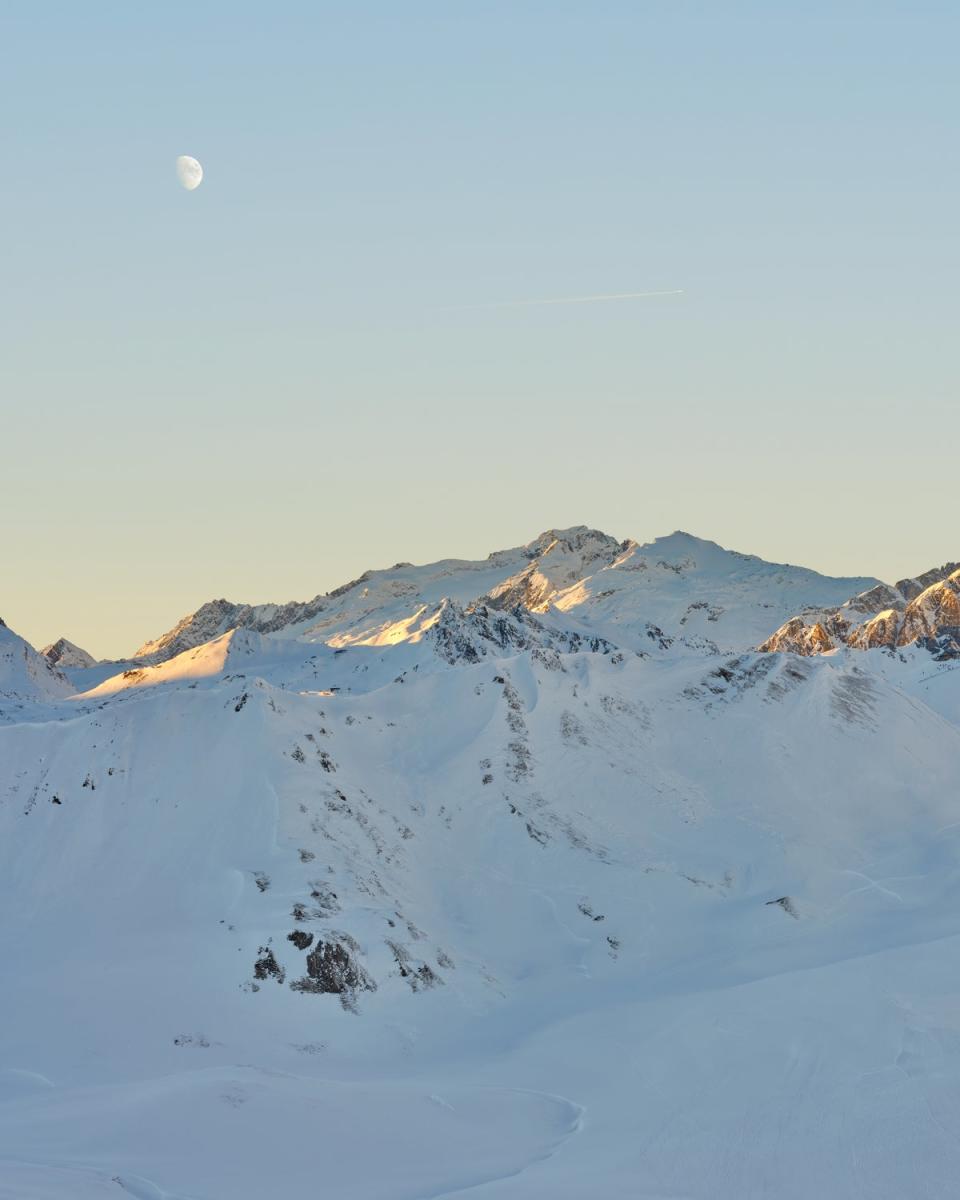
[314, 363]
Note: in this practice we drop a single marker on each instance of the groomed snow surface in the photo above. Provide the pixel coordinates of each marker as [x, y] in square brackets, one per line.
[435, 917]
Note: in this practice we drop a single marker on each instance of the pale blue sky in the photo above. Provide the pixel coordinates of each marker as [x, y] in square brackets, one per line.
[263, 387]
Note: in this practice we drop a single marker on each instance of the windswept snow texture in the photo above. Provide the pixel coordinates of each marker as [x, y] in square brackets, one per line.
[503, 891]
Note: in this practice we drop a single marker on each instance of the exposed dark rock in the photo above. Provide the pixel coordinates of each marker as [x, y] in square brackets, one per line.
[944, 645]
[333, 969]
[469, 635]
[418, 975]
[787, 905]
[267, 967]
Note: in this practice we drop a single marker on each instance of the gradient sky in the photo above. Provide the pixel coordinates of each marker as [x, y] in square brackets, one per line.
[261, 388]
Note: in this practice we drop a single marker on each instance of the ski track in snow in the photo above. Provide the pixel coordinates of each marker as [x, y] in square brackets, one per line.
[576, 1124]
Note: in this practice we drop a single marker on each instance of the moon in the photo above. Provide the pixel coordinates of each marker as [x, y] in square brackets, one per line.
[189, 172]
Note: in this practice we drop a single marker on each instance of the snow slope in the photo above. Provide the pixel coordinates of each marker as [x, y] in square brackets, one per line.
[711, 597]
[488, 905]
[26, 677]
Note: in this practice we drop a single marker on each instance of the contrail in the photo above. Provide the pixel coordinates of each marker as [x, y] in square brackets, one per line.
[574, 299]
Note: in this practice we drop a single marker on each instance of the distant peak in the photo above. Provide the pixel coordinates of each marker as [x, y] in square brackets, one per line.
[64, 653]
[680, 537]
[576, 537]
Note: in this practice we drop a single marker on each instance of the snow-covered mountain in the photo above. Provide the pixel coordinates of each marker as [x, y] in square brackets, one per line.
[26, 677]
[924, 611]
[685, 586]
[63, 653]
[714, 598]
[495, 877]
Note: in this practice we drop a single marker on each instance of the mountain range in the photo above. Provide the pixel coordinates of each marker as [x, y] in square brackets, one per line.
[589, 869]
[719, 599]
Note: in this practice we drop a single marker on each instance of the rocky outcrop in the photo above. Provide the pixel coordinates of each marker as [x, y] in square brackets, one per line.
[468, 636]
[897, 596]
[929, 619]
[945, 645]
[334, 968]
[936, 608]
[883, 630]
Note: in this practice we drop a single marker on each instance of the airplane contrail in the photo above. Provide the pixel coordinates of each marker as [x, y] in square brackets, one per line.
[575, 299]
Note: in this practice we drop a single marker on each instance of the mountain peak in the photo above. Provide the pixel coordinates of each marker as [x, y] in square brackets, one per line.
[576, 537]
[64, 653]
[26, 675]
[681, 542]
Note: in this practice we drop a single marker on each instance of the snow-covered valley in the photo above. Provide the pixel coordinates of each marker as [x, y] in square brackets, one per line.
[524, 878]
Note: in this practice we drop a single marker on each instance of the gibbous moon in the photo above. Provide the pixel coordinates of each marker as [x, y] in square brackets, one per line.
[189, 172]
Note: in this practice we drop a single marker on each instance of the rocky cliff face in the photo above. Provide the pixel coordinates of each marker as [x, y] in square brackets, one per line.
[929, 617]
[883, 630]
[936, 608]
[468, 636]
[797, 637]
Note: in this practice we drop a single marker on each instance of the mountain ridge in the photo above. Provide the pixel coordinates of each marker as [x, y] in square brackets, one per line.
[533, 575]
[501, 890]
[924, 610]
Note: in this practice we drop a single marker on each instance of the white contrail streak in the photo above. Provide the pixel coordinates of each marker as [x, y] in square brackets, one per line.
[575, 299]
